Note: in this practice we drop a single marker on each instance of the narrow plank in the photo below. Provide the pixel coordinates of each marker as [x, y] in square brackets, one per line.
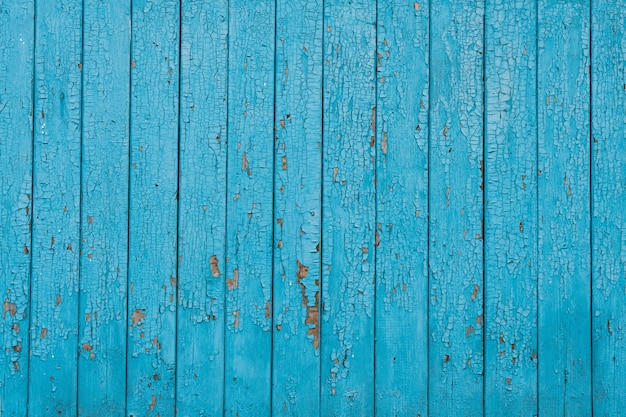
[202, 216]
[16, 173]
[402, 209]
[609, 202]
[56, 209]
[297, 213]
[564, 218]
[511, 208]
[104, 256]
[248, 333]
[153, 193]
[349, 208]
[456, 209]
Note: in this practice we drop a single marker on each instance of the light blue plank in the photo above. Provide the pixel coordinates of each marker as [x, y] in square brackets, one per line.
[511, 208]
[202, 216]
[104, 260]
[16, 126]
[349, 208]
[297, 213]
[609, 204]
[402, 209]
[456, 209]
[564, 337]
[56, 209]
[153, 209]
[248, 272]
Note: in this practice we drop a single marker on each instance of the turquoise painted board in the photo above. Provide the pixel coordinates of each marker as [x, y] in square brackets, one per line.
[297, 208]
[349, 208]
[153, 199]
[608, 173]
[104, 209]
[564, 284]
[312, 207]
[456, 209]
[249, 203]
[56, 209]
[16, 173]
[402, 209]
[510, 208]
[202, 208]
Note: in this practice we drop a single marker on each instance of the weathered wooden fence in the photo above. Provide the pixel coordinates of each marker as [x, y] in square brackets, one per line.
[312, 207]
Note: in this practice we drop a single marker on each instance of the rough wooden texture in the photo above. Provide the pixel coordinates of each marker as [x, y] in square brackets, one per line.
[202, 208]
[456, 209]
[609, 203]
[402, 209]
[249, 202]
[16, 173]
[564, 310]
[297, 208]
[511, 208]
[56, 208]
[153, 198]
[349, 208]
[104, 219]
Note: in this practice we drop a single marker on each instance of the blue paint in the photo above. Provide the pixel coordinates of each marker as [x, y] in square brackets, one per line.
[153, 194]
[16, 174]
[104, 220]
[202, 204]
[311, 208]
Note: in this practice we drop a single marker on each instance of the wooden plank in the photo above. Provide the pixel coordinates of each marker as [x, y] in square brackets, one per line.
[349, 208]
[456, 209]
[56, 208]
[511, 208]
[564, 217]
[16, 173]
[202, 215]
[402, 209]
[248, 335]
[297, 214]
[608, 107]
[104, 256]
[153, 208]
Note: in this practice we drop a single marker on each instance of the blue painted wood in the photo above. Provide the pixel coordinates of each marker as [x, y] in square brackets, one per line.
[56, 209]
[202, 203]
[510, 208]
[104, 208]
[248, 334]
[152, 272]
[608, 105]
[564, 310]
[349, 208]
[297, 208]
[16, 173]
[456, 209]
[402, 208]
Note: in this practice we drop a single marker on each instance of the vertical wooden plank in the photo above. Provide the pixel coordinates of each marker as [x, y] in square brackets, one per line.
[153, 208]
[297, 202]
[564, 218]
[402, 209]
[16, 171]
[202, 216]
[609, 202]
[248, 335]
[56, 208]
[349, 208]
[456, 209]
[105, 122]
[511, 208]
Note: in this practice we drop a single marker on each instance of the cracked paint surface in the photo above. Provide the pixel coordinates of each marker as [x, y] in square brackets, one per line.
[511, 208]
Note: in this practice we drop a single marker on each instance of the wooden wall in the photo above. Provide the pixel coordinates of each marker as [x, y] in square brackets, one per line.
[313, 207]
